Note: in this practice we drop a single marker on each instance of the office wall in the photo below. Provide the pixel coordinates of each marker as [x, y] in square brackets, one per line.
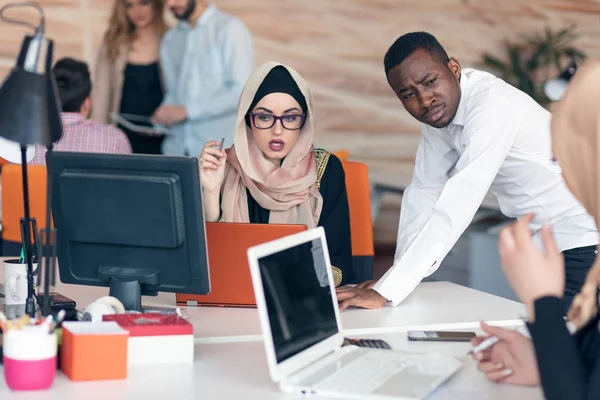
[338, 46]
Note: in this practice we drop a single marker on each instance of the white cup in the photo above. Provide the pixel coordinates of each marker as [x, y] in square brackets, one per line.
[15, 282]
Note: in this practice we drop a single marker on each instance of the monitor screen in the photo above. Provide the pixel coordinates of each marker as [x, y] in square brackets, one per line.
[298, 296]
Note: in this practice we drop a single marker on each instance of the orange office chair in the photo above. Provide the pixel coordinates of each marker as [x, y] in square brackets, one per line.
[361, 223]
[342, 154]
[12, 199]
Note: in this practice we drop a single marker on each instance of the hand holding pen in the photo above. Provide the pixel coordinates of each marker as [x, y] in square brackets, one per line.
[487, 343]
[506, 356]
[212, 166]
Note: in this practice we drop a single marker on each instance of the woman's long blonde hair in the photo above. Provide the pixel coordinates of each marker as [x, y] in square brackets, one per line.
[121, 30]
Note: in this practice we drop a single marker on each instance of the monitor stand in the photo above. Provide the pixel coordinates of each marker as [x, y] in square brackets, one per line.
[129, 293]
[126, 284]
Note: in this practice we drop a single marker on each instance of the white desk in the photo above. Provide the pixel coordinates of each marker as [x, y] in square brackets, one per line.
[230, 361]
[239, 371]
[432, 306]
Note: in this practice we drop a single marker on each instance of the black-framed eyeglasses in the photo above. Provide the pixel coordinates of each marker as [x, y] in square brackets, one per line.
[290, 122]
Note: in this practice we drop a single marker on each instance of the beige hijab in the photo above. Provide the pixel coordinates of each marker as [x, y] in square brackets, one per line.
[290, 191]
[576, 144]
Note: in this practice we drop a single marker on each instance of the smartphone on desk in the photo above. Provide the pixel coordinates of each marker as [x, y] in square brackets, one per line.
[440, 336]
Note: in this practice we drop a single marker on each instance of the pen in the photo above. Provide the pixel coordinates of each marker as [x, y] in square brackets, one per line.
[221, 146]
[486, 344]
[492, 340]
[59, 319]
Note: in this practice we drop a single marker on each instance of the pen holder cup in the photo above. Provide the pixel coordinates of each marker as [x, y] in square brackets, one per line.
[29, 357]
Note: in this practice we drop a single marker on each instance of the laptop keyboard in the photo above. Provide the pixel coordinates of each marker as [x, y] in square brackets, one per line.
[366, 373]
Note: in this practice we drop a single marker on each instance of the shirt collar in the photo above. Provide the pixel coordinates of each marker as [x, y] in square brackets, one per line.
[70, 118]
[209, 12]
[459, 118]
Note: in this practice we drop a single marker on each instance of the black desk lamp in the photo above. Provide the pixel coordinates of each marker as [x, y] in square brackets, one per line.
[30, 115]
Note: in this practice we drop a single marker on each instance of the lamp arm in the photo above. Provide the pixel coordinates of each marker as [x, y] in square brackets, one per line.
[48, 252]
[39, 30]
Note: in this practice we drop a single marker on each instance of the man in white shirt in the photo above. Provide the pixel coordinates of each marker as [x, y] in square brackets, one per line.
[206, 60]
[478, 133]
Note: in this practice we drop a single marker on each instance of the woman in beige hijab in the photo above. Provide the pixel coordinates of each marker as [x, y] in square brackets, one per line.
[273, 173]
[567, 365]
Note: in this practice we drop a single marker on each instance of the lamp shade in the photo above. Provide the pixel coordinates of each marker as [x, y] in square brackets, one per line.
[11, 151]
[29, 107]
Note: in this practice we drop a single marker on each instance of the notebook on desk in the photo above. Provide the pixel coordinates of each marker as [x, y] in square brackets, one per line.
[227, 244]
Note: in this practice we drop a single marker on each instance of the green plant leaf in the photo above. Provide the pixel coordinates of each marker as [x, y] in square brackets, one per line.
[543, 51]
[494, 62]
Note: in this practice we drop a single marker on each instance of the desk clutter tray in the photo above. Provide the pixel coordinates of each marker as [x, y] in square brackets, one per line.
[91, 351]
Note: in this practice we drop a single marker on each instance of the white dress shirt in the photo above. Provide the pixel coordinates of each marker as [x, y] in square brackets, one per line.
[205, 67]
[499, 139]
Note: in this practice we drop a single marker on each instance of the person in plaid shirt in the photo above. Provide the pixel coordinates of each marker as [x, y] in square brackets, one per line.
[80, 133]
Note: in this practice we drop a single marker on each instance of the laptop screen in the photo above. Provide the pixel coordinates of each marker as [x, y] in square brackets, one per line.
[298, 296]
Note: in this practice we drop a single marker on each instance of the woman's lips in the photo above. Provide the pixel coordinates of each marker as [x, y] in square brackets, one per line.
[276, 145]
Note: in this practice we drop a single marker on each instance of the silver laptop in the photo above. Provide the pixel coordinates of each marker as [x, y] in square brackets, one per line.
[303, 337]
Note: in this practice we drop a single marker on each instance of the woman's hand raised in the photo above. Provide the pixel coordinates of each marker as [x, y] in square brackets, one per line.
[212, 167]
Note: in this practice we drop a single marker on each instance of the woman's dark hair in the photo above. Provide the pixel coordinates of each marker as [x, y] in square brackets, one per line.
[74, 83]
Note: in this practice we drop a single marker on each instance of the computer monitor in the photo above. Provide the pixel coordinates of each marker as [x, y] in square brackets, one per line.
[134, 223]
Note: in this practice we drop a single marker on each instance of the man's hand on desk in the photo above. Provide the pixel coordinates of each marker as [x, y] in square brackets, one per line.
[512, 360]
[358, 296]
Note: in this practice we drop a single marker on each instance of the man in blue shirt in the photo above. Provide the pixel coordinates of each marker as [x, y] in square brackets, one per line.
[206, 60]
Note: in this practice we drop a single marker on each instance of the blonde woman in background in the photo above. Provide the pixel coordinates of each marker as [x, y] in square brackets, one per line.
[127, 76]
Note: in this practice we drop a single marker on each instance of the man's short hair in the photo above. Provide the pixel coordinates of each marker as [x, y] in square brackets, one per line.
[74, 83]
[407, 44]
